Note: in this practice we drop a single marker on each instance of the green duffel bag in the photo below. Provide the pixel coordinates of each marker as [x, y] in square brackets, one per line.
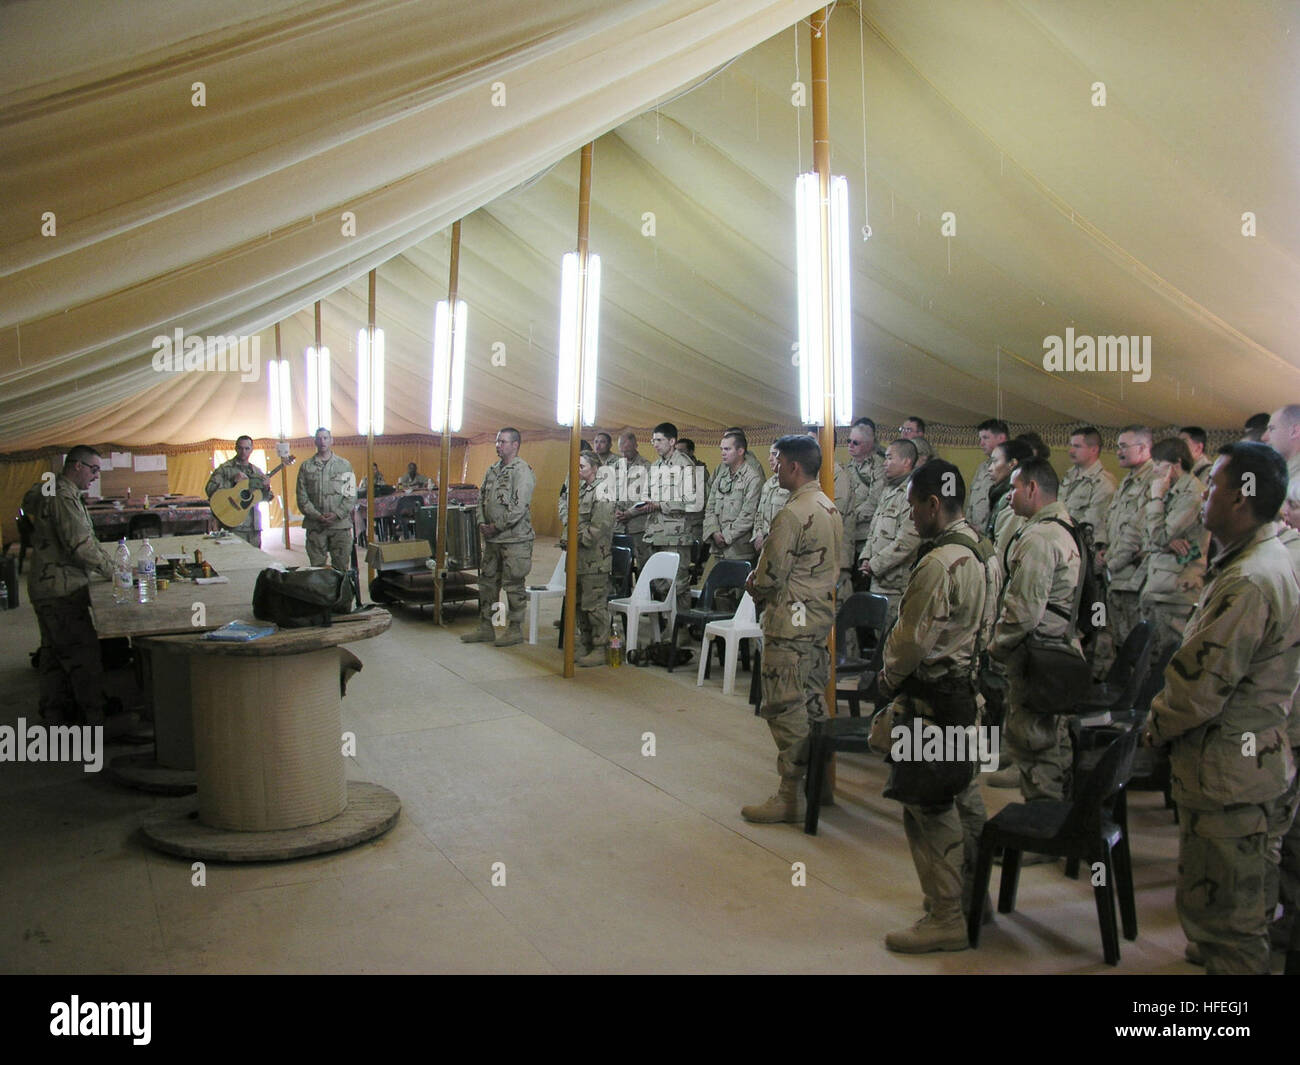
[301, 598]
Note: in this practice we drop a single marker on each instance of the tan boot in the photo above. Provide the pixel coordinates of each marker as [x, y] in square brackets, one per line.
[597, 656]
[485, 634]
[513, 635]
[781, 808]
[929, 934]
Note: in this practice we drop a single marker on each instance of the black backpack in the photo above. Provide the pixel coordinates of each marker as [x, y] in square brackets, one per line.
[1091, 591]
[301, 598]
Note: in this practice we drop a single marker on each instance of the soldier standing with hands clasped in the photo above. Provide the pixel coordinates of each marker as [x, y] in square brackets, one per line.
[504, 519]
[327, 493]
[733, 502]
[795, 581]
[1223, 713]
[931, 661]
[595, 550]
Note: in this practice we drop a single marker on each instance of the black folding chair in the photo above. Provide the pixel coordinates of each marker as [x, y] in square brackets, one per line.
[728, 573]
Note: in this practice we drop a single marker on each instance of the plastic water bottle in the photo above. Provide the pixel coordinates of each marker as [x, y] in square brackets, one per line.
[122, 572]
[146, 571]
[615, 652]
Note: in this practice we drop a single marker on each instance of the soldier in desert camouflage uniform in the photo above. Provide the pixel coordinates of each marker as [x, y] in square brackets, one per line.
[595, 551]
[1196, 438]
[1042, 575]
[1176, 545]
[677, 492]
[1283, 436]
[1087, 487]
[327, 493]
[1125, 530]
[505, 520]
[771, 498]
[234, 471]
[1287, 887]
[795, 583]
[602, 448]
[866, 468]
[890, 546]
[930, 663]
[1223, 713]
[633, 480]
[64, 557]
[992, 432]
[733, 502]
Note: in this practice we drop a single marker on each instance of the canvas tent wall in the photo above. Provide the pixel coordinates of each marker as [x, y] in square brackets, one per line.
[1127, 219]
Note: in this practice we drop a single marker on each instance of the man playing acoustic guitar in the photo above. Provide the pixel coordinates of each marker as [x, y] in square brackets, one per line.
[234, 472]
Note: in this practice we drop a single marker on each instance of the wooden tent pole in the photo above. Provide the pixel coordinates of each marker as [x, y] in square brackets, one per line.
[822, 164]
[371, 524]
[444, 457]
[575, 433]
[284, 470]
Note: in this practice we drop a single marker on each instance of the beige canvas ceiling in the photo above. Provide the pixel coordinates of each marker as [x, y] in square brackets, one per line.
[223, 219]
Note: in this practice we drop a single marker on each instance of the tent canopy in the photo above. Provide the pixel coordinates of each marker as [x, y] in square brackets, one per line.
[1130, 218]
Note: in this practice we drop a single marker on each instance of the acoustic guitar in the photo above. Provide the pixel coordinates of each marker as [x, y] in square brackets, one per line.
[230, 506]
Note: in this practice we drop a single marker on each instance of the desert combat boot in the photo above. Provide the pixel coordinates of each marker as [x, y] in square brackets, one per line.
[781, 808]
[596, 656]
[930, 934]
[484, 634]
[514, 634]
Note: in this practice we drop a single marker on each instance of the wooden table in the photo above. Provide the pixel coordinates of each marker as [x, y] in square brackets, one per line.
[465, 495]
[268, 748]
[184, 607]
[178, 517]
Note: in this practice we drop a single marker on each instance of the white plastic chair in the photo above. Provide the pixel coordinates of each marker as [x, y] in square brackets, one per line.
[554, 587]
[741, 627]
[661, 566]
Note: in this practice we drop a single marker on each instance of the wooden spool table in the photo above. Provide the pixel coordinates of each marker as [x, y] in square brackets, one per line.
[169, 768]
[268, 748]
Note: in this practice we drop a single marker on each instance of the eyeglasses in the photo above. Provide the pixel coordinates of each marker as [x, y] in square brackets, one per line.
[87, 465]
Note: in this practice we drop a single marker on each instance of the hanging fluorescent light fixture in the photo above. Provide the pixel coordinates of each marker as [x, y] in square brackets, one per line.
[370, 393]
[319, 404]
[812, 386]
[280, 397]
[570, 281]
[448, 344]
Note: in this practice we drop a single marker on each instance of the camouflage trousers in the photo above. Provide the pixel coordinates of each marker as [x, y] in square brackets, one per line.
[1038, 744]
[72, 680]
[334, 542]
[742, 549]
[895, 600]
[794, 678]
[254, 536]
[1225, 858]
[593, 609]
[1284, 880]
[640, 550]
[504, 566]
[1123, 612]
[1168, 623]
[944, 841]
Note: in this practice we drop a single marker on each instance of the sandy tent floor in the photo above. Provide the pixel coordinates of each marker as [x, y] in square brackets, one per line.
[614, 862]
